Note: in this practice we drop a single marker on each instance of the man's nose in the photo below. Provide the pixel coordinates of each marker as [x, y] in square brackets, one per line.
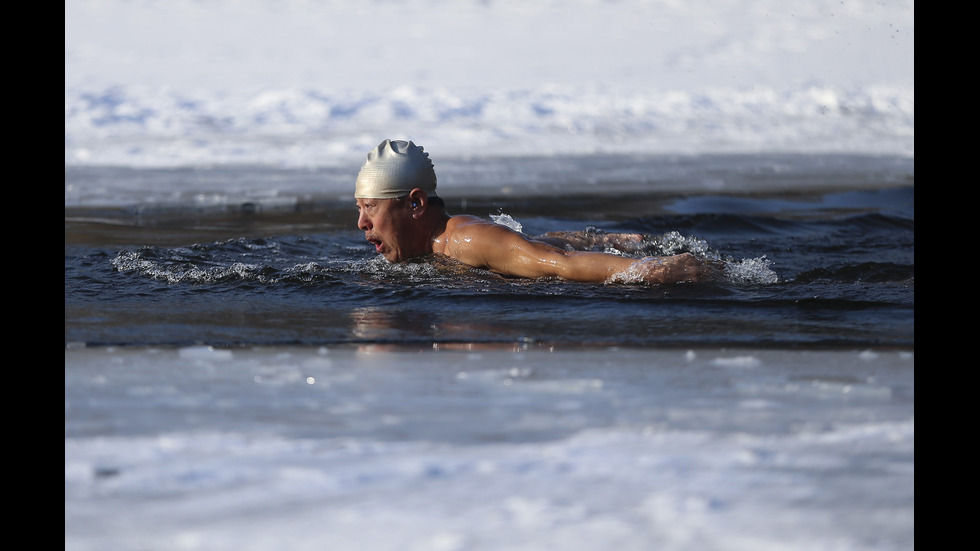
[363, 223]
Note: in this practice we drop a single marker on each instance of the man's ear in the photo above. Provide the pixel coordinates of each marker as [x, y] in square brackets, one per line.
[418, 198]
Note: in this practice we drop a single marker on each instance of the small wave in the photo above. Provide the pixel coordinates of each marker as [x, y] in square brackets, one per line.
[177, 271]
[872, 272]
[381, 268]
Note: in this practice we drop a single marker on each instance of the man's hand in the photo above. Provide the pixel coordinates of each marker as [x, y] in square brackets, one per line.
[683, 267]
[677, 268]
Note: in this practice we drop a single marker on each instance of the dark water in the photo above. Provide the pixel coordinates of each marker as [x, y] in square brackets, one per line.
[823, 265]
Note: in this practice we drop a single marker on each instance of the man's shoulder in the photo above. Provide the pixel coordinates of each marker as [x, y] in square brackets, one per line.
[473, 230]
[476, 241]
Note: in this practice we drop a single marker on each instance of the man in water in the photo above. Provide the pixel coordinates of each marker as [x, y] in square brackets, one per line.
[403, 217]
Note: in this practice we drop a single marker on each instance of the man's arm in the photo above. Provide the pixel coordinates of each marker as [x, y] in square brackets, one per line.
[499, 249]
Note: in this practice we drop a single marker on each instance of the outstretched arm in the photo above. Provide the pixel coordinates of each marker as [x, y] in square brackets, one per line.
[499, 249]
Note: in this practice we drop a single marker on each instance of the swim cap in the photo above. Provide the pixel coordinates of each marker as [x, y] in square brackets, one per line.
[393, 169]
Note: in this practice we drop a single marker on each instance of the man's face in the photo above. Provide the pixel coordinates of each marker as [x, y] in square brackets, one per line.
[388, 225]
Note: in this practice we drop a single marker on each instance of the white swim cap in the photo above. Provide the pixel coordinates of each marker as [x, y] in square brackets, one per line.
[393, 169]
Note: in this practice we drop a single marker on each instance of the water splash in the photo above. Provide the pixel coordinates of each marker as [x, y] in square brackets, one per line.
[635, 272]
[755, 271]
[742, 271]
[750, 270]
[508, 221]
[672, 243]
[675, 243]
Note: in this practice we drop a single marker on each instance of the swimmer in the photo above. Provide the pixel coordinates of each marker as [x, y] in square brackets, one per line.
[401, 214]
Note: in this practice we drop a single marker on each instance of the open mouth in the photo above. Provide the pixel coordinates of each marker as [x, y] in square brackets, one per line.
[378, 244]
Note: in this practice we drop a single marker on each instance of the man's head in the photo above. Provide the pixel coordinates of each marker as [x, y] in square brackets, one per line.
[393, 191]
